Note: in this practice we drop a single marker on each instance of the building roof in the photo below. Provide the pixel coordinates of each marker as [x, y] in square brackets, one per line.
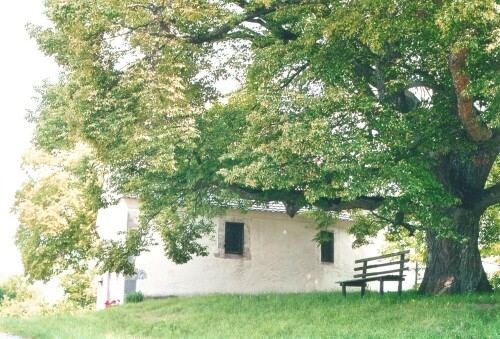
[272, 207]
[279, 207]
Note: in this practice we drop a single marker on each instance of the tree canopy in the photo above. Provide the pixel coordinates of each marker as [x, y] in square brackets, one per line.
[194, 106]
[57, 207]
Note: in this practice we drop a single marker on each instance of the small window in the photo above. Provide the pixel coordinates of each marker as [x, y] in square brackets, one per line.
[233, 242]
[327, 247]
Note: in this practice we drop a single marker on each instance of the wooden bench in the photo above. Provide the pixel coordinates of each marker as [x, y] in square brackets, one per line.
[373, 273]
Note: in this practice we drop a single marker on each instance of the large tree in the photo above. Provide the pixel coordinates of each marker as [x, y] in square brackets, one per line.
[57, 207]
[385, 106]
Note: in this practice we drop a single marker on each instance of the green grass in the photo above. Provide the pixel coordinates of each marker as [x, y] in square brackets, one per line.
[304, 315]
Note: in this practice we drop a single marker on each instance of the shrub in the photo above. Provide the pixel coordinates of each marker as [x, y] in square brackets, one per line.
[20, 299]
[495, 280]
[78, 290]
[135, 297]
[6, 293]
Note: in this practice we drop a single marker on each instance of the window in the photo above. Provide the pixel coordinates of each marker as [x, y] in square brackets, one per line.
[233, 238]
[327, 246]
[233, 241]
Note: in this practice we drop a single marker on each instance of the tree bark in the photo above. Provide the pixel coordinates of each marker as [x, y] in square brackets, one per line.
[455, 266]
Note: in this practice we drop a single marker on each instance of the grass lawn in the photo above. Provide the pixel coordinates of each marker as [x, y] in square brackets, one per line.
[302, 315]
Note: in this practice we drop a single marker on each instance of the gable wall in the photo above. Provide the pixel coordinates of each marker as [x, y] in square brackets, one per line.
[280, 256]
[112, 221]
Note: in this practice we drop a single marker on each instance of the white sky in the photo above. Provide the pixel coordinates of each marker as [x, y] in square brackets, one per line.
[22, 67]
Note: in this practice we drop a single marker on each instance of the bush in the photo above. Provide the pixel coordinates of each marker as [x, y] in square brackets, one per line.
[78, 290]
[6, 293]
[20, 299]
[135, 297]
[495, 280]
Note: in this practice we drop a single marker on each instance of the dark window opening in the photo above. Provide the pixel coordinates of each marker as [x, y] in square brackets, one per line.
[327, 247]
[233, 242]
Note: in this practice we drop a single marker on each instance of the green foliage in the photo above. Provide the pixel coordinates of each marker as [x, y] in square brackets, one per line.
[495, 281]
[324, 220]
[365, 227]
[180, 236]
[402, 241]
[115, 255]
[135, 297]
[57, 207]
[16, 287]
[5, 293]
[490, 229]
[20, 299]
[340, 105]
[78, 290]
[399, 240]
[489, 239]
[278, 316]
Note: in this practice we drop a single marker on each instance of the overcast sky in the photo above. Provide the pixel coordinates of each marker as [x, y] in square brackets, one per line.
[22, 67]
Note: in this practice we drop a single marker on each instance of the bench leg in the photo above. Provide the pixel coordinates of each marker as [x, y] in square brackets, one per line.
[381, 287]
[400, 287]
[363, 290]
[343, 291]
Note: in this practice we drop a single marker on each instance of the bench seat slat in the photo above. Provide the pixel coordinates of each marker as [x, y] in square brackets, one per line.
[360, 282]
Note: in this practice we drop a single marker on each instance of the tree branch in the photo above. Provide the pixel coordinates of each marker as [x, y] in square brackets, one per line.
[399, 221]
[297, 72]
[490, 197]
[295, 200]
[338, 205]
[494, 142]
[477, 131]
[276, 29]
[251, 16]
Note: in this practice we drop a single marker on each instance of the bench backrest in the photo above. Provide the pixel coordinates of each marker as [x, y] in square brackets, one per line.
[392, 263]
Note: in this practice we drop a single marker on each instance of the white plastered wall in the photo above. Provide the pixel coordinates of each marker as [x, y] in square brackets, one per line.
[111, 223]
[280, 256]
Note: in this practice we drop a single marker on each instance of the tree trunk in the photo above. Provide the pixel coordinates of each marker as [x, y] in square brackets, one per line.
[455, 266]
